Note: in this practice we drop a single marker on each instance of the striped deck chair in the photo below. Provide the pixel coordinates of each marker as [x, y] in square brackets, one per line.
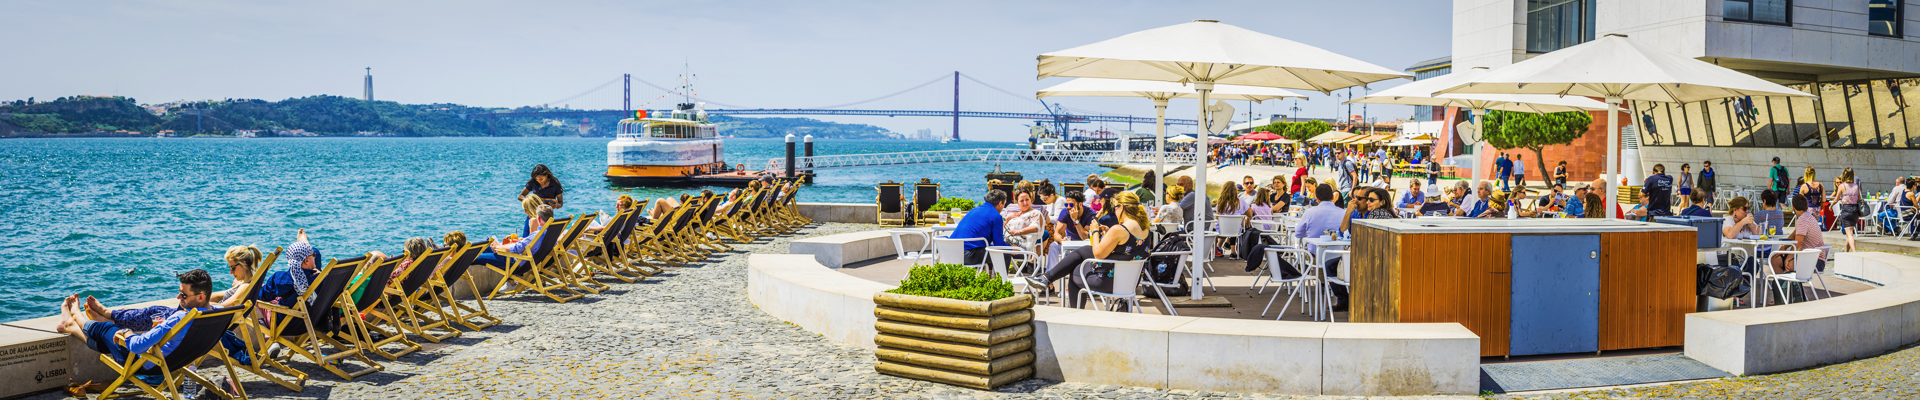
[293, 326]
[441, 290]
[199, 336]
[538, 263]
[372, 304]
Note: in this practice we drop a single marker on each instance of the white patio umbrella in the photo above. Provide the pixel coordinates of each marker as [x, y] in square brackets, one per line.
[1205, 53]
[1421, 93]
[1159, 92]
[1617, 68]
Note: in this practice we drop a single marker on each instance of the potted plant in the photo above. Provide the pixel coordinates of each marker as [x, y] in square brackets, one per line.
[952, 324]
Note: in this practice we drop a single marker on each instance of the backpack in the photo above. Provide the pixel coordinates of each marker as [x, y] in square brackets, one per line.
[1166, 269]
[1780, 177]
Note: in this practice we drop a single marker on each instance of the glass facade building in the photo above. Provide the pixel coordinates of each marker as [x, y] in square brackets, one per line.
[1871, 114]
[1558, 24]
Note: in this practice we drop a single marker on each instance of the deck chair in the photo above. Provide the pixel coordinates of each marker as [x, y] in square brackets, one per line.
[442, 290]
[648, 243]
[600, 249]
[1068, 189]
[372, 304]
[412, 307]
[629, 256]
[199, 336]
[254, 334]
[1002, 187]
[925, 195]
[709, 229]
[727, 224]
[539, 261]
[293, 326]
[790, 206]
[568, 265]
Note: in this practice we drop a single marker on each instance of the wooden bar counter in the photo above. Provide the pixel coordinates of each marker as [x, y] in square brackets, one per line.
[1529, 286]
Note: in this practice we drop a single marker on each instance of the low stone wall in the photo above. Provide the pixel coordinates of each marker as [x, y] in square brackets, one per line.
[80, 362]
[1826, 331]
[857, 213]
[1162, 351]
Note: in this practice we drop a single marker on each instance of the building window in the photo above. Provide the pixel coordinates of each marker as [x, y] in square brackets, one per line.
[1883, 17]
[1761, 11]
[1558, 24]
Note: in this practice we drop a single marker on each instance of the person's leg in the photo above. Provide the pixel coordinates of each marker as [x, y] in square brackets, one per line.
[975, 256]
[133, 319]
[1339, 291]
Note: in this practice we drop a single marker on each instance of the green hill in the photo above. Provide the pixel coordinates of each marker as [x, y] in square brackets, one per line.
[335, 116]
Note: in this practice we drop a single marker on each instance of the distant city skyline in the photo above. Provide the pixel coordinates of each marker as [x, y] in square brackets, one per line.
[776, 54]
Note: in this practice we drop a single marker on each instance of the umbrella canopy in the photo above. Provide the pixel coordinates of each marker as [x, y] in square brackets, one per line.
[1159, 90]
[1284, 141]
[1211, 52]
[1261, 136]
[1407, 142]
[1182, 139]
[1422, 136]
[1421, 93]
[1617, 67]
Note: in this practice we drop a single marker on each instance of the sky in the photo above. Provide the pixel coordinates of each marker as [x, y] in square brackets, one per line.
[756, 54]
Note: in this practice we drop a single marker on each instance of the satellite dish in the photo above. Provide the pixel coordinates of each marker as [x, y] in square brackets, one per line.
[1219, 117]
[1469, 132]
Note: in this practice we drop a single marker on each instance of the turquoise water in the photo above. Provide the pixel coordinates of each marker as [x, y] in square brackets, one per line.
[82, 213]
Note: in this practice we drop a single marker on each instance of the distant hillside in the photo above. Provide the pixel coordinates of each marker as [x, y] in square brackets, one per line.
[334, 116]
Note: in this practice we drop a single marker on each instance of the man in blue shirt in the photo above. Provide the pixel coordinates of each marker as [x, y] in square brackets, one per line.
[983, 221]
[1657, 192]
[102, 336]
[1575, 207]
[1317, 220]
[1502, 169]
[1413, 198]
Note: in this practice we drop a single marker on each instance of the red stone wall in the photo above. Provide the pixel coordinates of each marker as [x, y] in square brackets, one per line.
[1586, 157]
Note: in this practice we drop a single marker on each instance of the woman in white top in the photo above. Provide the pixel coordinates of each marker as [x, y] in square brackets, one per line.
[1023, 229]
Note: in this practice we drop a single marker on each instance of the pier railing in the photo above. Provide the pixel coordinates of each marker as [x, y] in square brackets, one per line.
[980, 155]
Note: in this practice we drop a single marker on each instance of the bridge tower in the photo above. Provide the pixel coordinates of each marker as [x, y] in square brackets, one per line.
[956, 106]
[626, 95]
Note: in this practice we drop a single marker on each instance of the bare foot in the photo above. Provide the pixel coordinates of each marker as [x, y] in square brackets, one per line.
[97, 312]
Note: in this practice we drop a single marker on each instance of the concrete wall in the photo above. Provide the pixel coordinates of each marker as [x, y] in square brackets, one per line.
[1826, 331]
[840, 212]
[1829, 36]
[1748, 166]
[835, 251]
[1489, 33]
[1163, 351]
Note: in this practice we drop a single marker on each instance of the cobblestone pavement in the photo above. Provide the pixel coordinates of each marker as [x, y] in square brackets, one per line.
[1894, 375]
[687, 333]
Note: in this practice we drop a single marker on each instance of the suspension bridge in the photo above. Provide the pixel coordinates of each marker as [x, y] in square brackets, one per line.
[978, 155]
[1060, 119]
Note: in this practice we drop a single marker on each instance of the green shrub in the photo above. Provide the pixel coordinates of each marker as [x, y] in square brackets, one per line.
[950, 203]
[953, 281]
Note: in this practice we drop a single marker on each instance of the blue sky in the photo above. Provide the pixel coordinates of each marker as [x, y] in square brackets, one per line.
[760, 54]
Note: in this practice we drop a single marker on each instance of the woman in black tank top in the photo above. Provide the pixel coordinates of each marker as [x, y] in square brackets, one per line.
[1125, 241]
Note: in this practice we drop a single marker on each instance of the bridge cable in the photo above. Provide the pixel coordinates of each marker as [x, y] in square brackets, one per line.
[936, 79]
[589, 91]
[644, 82]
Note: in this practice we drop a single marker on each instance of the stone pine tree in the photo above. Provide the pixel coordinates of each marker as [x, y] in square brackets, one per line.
[1516, 130]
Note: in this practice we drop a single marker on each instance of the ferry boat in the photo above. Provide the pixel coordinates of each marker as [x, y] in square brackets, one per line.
[665, 150]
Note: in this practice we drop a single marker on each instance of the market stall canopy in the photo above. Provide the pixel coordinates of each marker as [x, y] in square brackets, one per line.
[1407, 142]
[1617, 67]
[1261, 136]
[1211, 52]
[1421, 93]
[1159, 90]
[1182, 139]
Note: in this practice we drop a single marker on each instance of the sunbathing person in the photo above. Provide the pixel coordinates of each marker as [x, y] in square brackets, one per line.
[664, 207]
[619, 205]
[109, 338]
[512, 245]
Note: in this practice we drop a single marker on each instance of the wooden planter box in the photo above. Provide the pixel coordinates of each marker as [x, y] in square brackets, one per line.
[976, 344]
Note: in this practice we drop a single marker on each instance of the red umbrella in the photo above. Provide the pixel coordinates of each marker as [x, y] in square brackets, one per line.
[1261, 136]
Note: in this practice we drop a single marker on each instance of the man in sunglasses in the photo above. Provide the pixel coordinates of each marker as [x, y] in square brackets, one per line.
[109, 338]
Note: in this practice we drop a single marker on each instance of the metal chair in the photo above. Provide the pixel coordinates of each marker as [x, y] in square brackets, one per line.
[1296, 287]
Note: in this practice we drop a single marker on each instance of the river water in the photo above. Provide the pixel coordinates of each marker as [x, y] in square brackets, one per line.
[117, 218]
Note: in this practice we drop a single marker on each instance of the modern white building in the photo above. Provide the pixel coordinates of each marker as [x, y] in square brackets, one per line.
[1854, 54]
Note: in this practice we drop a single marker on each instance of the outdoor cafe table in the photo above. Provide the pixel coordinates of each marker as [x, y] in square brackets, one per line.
[1529, 286]
[1761, 264]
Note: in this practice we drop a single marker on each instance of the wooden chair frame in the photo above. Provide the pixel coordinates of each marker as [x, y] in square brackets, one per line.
[335, 270]
[378, 276]
[440, 291]
[173, 375]
[255, 334]
[543, 277]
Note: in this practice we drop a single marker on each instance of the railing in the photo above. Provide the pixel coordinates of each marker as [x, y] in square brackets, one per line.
[979, 155]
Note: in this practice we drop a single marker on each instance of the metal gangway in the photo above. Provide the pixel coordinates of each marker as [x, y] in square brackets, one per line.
[981, 155]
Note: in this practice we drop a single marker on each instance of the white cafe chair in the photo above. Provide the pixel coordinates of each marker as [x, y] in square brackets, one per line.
[954, 251]
[1337, 277]
[900, 248]
[1126, 283]
[1300, 287]
[1803, 273]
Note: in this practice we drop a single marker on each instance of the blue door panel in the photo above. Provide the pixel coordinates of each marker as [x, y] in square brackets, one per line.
[1556, 294]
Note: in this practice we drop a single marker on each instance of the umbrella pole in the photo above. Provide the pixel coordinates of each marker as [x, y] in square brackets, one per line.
[1201, 248]
[1160, 152]
[1613, 156]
